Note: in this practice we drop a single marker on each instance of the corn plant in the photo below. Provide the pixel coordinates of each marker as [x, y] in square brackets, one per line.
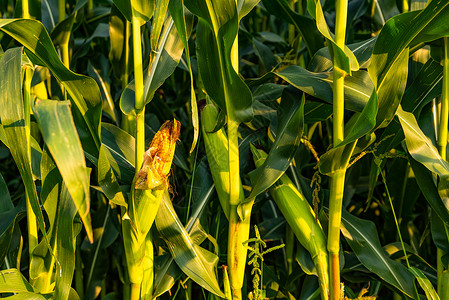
[141, 141]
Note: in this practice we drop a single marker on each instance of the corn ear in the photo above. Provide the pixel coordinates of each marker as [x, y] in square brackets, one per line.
[149, 185]
[301, 219]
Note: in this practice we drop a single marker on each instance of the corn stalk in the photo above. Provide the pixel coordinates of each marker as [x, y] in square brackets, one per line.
[338, 178]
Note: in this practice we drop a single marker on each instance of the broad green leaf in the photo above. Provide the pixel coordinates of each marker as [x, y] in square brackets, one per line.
[301, 219]
[358, 87]
[102, 79]
[245, 7]
[426, 183]
[12, 116]
[142, 9]
[51, 186]
[362, 123]
[119, 31]
[107, 180]
[66, 233]
[404, 31]
[9, 216]
[60, 135]
[426, 86]
[362, 237]
[125, 8]
[420, 146]
[344, 58]
[178, 14]
[83, 90]
[165, 275]
[61, 33]
[42, 260]
[425, 284]
[5, 198]
[216, 30]
[12, 281]
[203, 190]
[305, 25]
[121, 147]
[216, 144]
[391, 89]
[196, 262]
[165, 62]
[322, 60]
[161, 7]
[288, 137]
[358, 126]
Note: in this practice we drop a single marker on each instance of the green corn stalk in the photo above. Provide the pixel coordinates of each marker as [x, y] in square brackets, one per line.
[302, 220]
[338, 178]
[442, 144]
[216, 144]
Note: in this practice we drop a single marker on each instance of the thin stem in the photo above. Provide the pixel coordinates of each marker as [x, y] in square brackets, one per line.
[396, 223]
[338, 178]
[25, 9]
[135, 291]
[442, 139]
[442, 133]
[139, 100]
[140, 123]
[333, 243]
[61, 10]
[394, 216]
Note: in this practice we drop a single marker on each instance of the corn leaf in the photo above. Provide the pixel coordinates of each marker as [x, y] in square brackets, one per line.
[169, 53]
[107, 180]
[60, 135]
[167, 271]
[12, 281]
[83, 90]
[300, 216]
[358, 87]
[338, 157]
[425, 284]
[345, 59]
[13, 120]
[426, 183]
[179, 17]
[288, 137]
[120, 151]
[404, 31]
[65, 244]
[216, 30]
[305, 25]
[420, 146]
[196, 262]
[9, 217]
[391, 89]
[362, 237]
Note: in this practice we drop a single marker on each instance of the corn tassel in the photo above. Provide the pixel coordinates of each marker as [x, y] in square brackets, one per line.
[301, 219]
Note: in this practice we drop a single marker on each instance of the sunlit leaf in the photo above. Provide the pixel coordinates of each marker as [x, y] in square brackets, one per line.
[60, 135]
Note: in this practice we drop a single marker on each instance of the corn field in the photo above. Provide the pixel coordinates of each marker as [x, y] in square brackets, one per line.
[228, 149]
